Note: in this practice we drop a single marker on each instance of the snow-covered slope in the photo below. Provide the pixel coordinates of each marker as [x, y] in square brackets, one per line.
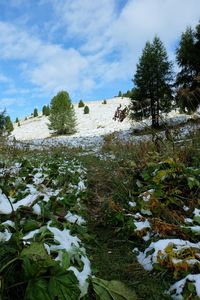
[99, 121]
[92, 127]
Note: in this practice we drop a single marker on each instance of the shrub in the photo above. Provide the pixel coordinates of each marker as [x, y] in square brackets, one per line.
[104, 102]
[62, 116]
[86, 110]
[81, 103]
[35, 113]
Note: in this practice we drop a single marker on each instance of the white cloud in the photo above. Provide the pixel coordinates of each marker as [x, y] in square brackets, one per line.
[49, 66]
[11, 101]
[102, 30]
[4, 79]
[108, 41]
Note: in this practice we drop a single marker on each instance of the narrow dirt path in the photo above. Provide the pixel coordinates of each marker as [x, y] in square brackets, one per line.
[111, 255]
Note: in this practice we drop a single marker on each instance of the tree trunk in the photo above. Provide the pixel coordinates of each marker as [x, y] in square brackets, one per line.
[153, 114]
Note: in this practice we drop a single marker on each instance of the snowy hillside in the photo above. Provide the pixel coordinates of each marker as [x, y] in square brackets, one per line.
[92, 127]
[99, 121]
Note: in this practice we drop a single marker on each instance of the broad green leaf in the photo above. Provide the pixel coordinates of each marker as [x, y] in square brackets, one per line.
[63, 285]
[197, 219]
[35, 251]
[191, 287]
[36, 268]
[37, 289]
[65, 263]
[30, 225]
[112, 290]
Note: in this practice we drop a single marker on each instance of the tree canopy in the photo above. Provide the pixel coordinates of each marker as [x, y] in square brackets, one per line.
[152, 93]
[62, 116]
[6, 125]
[188, 78]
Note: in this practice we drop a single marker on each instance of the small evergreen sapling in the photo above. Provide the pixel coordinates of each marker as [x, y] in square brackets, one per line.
[86, 110]
[81, 103]
[104, 102]
[35, 113]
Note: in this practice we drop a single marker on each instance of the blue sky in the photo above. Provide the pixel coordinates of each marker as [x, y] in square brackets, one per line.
[89, 48]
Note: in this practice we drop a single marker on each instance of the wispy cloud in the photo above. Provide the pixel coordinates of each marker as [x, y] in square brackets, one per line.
[4, 79]
[85, 46]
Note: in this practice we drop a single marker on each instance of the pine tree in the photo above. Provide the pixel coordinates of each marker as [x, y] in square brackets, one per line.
[47, 110]
[86, 110]
[188, 78]
[2, 121]
[35, 113]
[62, 116]
[8, 125]
[152, 93]
[44, 110]
[81, 103]
[17, 120]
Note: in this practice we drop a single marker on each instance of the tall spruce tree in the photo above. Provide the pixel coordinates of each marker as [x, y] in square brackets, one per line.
[2, 121]
[8, 125]
[188, 78]
[62, 116]
[152, 93]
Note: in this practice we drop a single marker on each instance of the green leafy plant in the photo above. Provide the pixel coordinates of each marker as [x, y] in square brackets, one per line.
[111, 290]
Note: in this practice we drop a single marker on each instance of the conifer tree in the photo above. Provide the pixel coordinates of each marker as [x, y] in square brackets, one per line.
[35, 113]
[47, 110]
[152, 93]
[188, 78]
[8, 125]
[81, 103]
[62, 116]
[2, 121]
[44, 110]
[86, 110]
